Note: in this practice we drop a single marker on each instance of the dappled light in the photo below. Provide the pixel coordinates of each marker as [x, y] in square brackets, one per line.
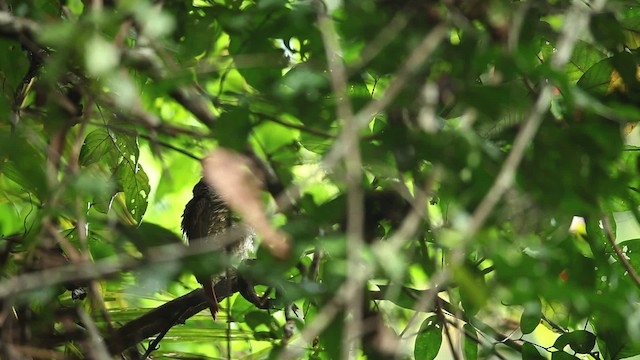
[319, 179]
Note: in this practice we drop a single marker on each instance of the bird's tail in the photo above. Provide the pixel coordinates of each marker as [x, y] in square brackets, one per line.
[211, 295]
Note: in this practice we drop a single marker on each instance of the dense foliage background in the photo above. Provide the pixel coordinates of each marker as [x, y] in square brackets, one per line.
[449, 175]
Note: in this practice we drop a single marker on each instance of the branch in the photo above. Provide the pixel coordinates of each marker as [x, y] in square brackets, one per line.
[114, 265]
[174, 312]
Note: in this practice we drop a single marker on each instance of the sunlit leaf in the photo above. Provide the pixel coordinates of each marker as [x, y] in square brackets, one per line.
[134, 182]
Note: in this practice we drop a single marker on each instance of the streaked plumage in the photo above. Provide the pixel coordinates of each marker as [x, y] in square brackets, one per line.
[205, 216]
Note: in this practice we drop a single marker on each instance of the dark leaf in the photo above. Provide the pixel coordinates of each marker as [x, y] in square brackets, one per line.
[530, 352]
[429, 339]
[531, 316]
[580, 341]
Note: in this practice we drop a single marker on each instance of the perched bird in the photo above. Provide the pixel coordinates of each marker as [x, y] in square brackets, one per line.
[204, 217]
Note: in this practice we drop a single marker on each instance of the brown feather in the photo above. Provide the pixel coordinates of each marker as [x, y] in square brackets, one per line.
[206, 215]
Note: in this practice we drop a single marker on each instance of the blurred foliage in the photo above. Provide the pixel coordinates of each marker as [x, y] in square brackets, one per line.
[108, 106]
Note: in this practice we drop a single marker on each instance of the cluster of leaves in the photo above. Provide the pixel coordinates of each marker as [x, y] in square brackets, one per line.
[426, 158]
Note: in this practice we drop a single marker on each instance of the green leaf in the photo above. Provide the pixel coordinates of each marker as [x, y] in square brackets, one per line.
[256, 318]
[530, 352]
[626, 66]
[233, 128]
[531, 316]
[580, 341]
[198, 33]
[241, 307]
[606, 30]
[429, 339]
[314, 143]
[584, 57]
[13, 64]
[597, 78]
[97, 145]
[405, 299]
[628, 350]
[105, 146]
[470, 346]
[134, 182]
[272, 136]
[332, 338]
[561, 355]
[259, 62]
[23, 163]
[148, 235]
[473, 292]
[631, 248]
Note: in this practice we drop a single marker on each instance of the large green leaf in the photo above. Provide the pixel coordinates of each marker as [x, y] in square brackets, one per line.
[584, 57]
[98, 145]
[134, 182]
[429, 339]
[597, 78]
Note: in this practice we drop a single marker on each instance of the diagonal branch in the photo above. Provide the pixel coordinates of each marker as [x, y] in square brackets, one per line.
[174, 312]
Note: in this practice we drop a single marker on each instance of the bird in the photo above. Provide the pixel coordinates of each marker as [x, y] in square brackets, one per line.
[205, 216]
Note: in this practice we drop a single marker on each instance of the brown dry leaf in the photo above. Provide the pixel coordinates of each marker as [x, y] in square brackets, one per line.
[230, 174]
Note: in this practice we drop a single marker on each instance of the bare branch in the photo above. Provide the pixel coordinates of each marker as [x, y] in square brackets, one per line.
[174, 312]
